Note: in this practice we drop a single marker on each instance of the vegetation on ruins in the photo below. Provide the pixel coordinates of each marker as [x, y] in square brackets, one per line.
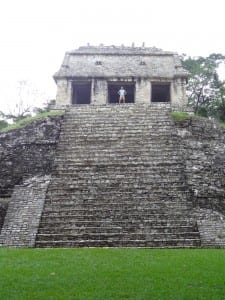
[181, 116]
[27, 120]
[206, 91]
[112, 274]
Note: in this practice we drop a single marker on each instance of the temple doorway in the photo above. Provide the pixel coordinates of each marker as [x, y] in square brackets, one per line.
[81, 92]
[160, 92]
[113, 88]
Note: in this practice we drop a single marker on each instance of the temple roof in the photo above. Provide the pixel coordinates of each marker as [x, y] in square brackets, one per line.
[114, 61]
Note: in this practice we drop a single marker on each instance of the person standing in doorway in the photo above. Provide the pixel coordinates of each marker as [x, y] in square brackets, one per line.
[122, 93]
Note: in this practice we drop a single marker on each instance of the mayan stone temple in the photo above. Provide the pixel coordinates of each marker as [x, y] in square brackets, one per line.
[115, 170]
[93, 75]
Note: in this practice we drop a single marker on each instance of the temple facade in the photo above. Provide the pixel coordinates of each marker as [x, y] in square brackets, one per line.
[94, 75]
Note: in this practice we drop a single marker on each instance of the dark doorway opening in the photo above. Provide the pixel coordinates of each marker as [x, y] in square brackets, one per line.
[81, 92]
[113, 88]
[160, 92]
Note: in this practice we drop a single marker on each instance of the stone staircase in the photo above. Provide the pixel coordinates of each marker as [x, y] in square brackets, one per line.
[118, 181]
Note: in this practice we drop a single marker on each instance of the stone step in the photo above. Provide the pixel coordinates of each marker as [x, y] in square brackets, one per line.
[99, 195]
[118, 181]
[107, 113]
[104, 175]
[118, 124]
[117, 109]
[109, 208]
[104, 189]
[117, 236]
[100, 172]
[127, 130]
[126, 163]
[119, 154]
[134, 169]
[139, 136]
[128, 202]
[79, 209]
[99, 129]
[133, 144]
[135, 114]
[131, 169]
[136, 149]
[151, 214]
[125, 151]
[139, 183]
[174, 243]
[124, 116]
[127, 224]
[117, 229]
[67, 201]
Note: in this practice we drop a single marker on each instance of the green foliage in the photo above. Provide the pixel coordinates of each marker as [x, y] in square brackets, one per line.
[218, 107]
[206, 92]
[23, 122]
[3, 124]
[180, 116]
[102, 274]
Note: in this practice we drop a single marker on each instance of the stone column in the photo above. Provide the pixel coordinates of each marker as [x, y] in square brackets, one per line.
[143, 91]
[99, 91]
[178, 93]
[64, 93]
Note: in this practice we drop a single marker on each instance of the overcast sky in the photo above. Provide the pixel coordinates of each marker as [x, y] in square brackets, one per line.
[34, 35]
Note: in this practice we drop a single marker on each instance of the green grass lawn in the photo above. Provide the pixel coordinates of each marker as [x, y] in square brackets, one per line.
[102, 274]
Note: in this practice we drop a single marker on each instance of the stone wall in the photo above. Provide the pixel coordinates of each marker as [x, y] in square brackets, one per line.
[24, 213]
[203, 143]
[27, 152]
[211, 226]
[3, 209]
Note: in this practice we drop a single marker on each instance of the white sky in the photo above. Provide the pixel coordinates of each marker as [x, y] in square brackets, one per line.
[34, 35]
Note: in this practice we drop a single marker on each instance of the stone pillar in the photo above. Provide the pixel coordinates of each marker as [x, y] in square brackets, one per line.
[178, 93]
[64, 93]
[99, 91]
[143, 91]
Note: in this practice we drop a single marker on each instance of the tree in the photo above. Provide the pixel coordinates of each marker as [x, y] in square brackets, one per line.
[218, 107]
[24, 104]
[205, 90]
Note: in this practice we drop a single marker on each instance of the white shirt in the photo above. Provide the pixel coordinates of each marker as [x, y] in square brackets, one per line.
[122, 92]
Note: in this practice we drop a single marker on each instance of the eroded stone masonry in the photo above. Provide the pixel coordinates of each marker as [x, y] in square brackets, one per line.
[115, 175]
